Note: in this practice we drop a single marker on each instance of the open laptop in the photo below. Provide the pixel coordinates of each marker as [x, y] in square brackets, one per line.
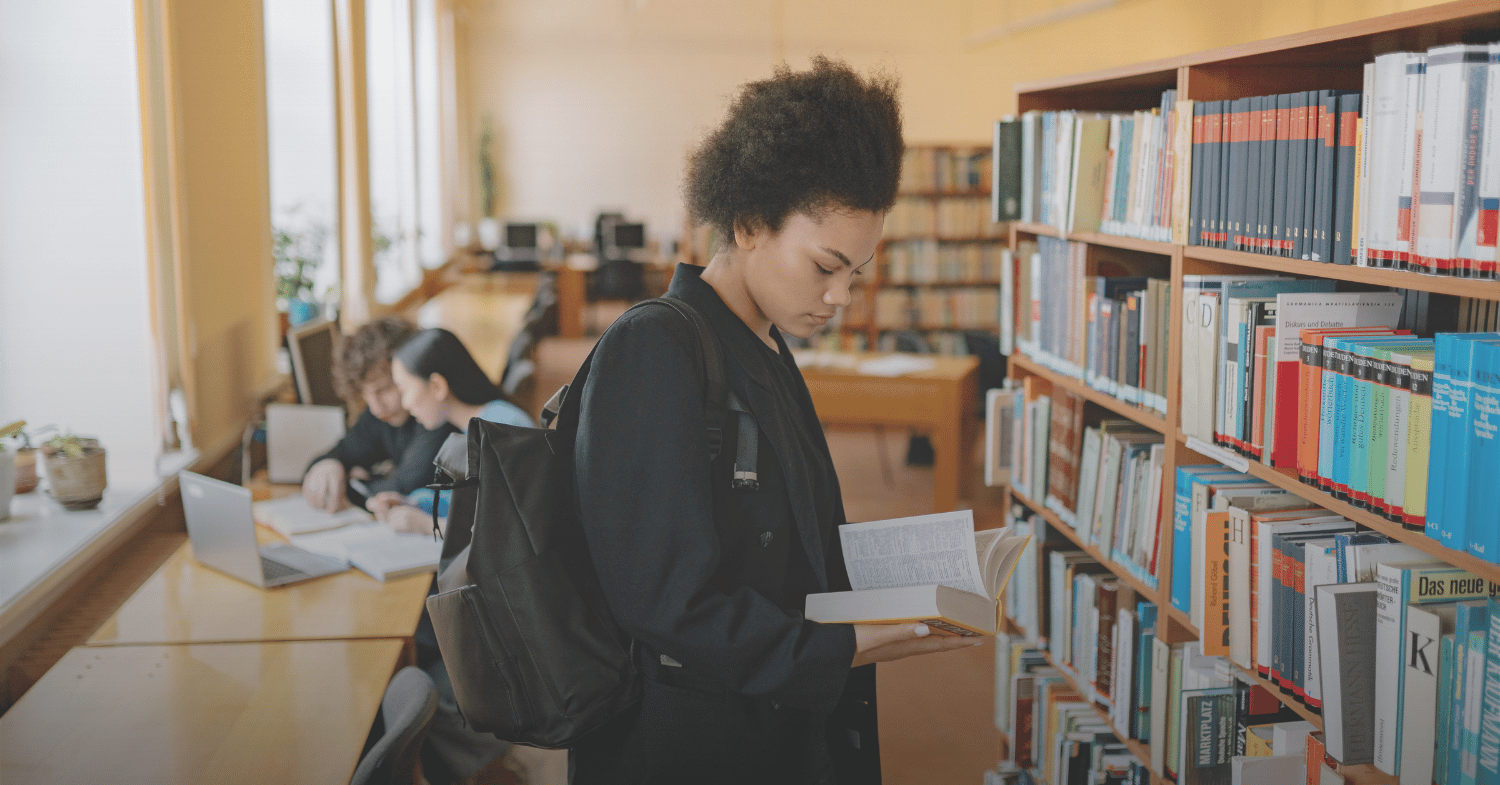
[222, 531]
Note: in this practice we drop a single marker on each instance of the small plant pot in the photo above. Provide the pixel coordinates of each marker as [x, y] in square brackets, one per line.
[75, 482]
[7, 482]
[26, 477]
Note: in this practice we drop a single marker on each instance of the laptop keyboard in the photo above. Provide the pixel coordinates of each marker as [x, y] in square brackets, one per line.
[275, 570]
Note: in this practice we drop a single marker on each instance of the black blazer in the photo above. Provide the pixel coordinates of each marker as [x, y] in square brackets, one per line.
[711, 577]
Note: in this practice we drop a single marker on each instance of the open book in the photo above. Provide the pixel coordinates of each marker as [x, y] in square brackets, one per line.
[933, 569]
[292, 515]
[372, 547]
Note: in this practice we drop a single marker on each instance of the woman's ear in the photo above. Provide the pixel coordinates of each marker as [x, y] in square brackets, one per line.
[438, 384]
[746, 237]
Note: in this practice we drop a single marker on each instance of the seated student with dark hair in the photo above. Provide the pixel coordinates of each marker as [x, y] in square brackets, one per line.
[443, 387]
[387, 449]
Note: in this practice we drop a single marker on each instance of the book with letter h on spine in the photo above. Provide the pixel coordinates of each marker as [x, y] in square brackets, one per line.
[933, 569]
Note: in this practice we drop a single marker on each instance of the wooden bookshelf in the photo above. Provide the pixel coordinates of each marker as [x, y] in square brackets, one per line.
[928, 198]
[1330, 58]
[1139, 750]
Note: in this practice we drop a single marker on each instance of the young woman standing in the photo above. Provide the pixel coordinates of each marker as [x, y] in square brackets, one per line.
[707, 578]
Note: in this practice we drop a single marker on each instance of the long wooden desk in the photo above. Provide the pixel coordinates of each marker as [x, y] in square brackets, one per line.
[185, 602]
[942, 402]
[225, 713]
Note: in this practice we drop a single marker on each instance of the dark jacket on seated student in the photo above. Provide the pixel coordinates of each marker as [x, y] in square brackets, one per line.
[408, 449]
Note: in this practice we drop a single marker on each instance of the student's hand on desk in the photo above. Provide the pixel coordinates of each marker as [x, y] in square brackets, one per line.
[887, 642]
[391, 509]
[323, 487]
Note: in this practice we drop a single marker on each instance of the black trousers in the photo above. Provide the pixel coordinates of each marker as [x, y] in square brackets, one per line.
[681, 732]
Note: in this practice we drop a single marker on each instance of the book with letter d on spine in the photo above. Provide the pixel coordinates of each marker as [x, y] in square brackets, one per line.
[933, 569]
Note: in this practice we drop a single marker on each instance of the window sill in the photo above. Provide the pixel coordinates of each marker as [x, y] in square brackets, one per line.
[43, 548]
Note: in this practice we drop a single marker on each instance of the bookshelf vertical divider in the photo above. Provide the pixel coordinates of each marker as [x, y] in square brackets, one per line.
[1330, 58]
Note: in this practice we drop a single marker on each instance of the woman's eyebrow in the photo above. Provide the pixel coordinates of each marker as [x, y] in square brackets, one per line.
[842, 257]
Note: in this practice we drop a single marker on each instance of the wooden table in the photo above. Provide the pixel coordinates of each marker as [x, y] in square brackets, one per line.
[942, 402]
[225, 713]
[185, 602]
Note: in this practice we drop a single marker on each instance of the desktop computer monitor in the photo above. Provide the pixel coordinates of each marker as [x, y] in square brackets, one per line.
[521, 249]
[312, 347]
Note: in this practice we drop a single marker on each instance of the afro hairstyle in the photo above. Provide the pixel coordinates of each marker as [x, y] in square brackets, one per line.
[799, 142]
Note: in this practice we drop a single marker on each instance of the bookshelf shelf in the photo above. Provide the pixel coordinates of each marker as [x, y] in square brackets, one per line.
[1285, 478]
[1400, 279]
[1141, 589]
[1140, 414]
[942, 284]
[1096, 238]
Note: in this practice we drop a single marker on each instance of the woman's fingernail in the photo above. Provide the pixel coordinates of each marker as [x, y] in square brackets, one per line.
[978, 641]
[920, 630]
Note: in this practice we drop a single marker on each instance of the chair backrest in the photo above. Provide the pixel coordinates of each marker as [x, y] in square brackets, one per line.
[407, 709]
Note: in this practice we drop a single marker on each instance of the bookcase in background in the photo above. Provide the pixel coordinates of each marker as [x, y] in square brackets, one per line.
[1328, 59]
[936, 271]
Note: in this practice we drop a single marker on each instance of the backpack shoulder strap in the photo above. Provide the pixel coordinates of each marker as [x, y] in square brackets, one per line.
[719, 400]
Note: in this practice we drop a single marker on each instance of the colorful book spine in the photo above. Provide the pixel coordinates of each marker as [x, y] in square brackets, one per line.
[1489, 723]
[1418, 444]
[1483, 433]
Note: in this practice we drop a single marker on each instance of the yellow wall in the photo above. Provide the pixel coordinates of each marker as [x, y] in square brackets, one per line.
[595, 102]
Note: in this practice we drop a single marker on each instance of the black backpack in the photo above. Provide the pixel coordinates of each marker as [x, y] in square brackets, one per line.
[533, 652]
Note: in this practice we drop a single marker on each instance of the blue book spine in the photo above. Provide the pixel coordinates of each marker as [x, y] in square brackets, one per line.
[1359, 420]
[1489, 722]
[1462, 626]
[1442, 364]
[1455, 527]
[1146, 613]
[1343, 418]
[1049, 162]
[1469, 754]
[1484, 467]
[1182, 541]
[1329, 411]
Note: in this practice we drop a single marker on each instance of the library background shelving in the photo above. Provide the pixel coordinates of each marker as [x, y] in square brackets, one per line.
[1321, 59]
[913, 197]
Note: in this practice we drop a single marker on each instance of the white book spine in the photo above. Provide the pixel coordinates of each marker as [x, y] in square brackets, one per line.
[1416, 64]
[1161, 662]
[1239, 589]
[1419, 703]
[1387, 665]
[1442, 131]
[1320, 569]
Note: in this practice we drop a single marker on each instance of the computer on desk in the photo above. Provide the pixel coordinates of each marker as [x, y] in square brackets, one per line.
[521, 250]
[221, 526]
[312, 347]
[622, 246]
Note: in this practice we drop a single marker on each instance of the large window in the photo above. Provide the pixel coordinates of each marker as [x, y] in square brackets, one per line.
[401, 72]
[301, 130]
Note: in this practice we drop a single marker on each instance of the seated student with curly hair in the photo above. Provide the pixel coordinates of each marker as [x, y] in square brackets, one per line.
[386, 449]
[708, 578]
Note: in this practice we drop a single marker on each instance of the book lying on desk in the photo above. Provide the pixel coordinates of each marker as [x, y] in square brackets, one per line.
[292, 515]
[375, 549]
[933, 569]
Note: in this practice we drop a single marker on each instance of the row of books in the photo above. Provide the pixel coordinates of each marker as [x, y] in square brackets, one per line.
[1092, 314]
[1102, 480]
[1438, 114]
[1086, 172]
[1195, 711]
[963, 308]
[943, 169]
[950, 217]
[1349, 403]
[1275, 174]
[1056, 734]
[935, 262]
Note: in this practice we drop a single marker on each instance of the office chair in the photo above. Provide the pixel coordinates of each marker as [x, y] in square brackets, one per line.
[407, 710]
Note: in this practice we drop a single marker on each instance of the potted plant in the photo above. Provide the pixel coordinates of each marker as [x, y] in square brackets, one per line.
[298, 256]
[8, 468]
[74, 467]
